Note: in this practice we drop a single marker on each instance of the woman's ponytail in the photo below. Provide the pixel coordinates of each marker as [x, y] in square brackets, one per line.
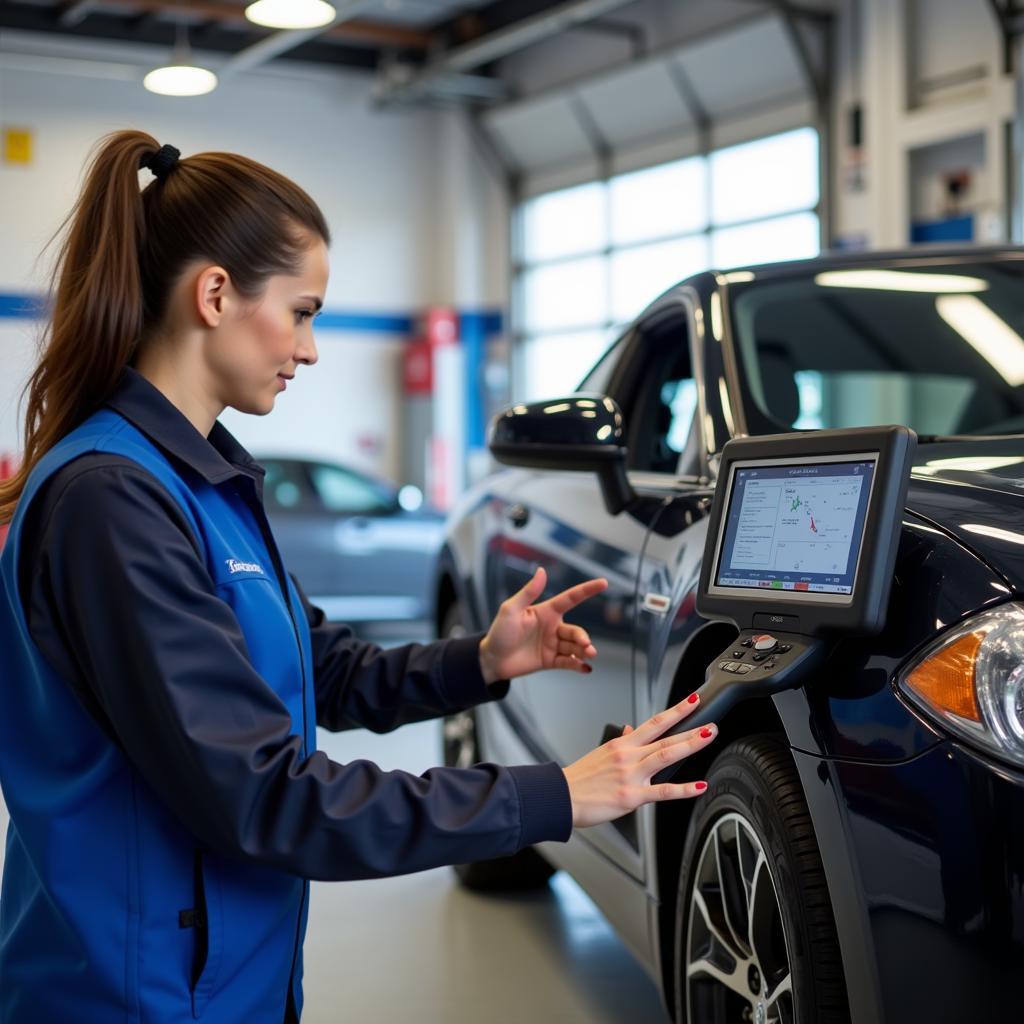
[121, 253]
[95, 311]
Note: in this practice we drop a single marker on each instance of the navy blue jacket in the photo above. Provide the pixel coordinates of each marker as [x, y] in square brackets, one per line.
[163, 655]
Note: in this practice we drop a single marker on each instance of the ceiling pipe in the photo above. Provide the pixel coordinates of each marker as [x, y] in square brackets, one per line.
[515, 37]
[524, 33]
[74, 13]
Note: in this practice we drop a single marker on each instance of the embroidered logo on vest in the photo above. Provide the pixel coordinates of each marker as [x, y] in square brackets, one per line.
[236, 566]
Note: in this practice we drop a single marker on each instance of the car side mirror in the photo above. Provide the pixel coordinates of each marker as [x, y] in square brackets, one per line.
[582, 432]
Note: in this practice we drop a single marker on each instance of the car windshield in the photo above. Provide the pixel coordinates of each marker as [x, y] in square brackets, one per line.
[938, 347]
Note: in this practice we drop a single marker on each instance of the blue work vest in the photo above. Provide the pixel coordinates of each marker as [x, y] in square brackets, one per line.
[107, 899]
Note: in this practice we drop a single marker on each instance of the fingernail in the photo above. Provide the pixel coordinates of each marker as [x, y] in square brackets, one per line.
[692, 699]
[700, 786]
[706, 734]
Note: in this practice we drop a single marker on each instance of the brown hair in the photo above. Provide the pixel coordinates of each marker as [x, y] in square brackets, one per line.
[122, 253]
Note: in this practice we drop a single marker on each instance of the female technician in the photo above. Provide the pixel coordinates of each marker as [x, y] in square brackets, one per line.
[161, 676]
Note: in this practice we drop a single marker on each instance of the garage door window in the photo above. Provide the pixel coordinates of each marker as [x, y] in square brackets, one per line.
[591, 257]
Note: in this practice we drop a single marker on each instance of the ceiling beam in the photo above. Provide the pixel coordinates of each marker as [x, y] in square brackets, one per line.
[517, 36]
[525, 33]
[347, 29]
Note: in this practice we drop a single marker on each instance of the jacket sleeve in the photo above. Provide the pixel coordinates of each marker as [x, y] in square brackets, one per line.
[360, 684]
[121, 583]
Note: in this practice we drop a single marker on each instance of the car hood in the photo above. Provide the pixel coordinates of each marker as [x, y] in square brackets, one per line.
[975, 491]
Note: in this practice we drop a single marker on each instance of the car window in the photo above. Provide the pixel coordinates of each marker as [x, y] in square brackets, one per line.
[660, 419]
[285, 488]
[598, 379]
[939, 348]
[344, 491]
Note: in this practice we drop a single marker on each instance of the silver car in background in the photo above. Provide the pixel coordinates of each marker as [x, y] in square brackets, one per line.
[363, 549]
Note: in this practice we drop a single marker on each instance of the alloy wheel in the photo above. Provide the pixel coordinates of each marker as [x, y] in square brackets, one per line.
[738, 966]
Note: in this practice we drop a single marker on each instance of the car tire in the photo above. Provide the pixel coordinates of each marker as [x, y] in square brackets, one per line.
[526, 869]
[755, 937]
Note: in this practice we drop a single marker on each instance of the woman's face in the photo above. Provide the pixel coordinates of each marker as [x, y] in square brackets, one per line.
[257, 348]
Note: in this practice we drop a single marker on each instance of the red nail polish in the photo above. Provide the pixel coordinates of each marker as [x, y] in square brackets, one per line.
[706, 734]
[700, 786]
[692, 699]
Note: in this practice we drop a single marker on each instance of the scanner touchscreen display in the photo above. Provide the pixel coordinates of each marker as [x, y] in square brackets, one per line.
[796, 526]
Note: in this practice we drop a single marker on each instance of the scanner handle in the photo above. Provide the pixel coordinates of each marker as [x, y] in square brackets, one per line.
[742, 671]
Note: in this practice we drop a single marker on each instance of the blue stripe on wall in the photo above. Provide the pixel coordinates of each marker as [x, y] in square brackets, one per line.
[21, 307]
[374, 322]
[471, 325]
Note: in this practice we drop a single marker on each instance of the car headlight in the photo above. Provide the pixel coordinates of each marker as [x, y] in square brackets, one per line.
[972, 680]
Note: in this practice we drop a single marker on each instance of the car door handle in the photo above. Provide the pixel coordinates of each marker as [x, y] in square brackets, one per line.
[518, 516]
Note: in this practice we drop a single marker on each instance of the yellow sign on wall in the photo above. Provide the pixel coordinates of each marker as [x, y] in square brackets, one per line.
[17, 146]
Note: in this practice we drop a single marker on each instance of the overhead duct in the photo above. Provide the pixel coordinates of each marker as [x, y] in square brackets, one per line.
[461, 59]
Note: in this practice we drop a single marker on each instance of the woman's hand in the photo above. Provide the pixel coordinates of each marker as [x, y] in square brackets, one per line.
[615, 778]
[527, 637]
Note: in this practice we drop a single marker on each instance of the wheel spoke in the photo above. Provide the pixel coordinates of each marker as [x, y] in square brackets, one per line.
[747, 848]
[767, 939]
[733, 893]
[732, 980]
[780, 1002]
[717, 945]
[760, 866]
[708, 887]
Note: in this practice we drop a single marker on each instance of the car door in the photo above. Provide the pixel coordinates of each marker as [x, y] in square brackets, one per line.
[560, 521]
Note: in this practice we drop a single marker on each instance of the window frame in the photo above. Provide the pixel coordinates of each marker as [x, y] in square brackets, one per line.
[625, 379]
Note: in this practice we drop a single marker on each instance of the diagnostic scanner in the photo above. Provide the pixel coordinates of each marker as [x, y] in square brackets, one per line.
[801, 547]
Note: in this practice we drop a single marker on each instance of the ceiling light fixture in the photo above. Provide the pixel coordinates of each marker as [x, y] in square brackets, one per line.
[180, 77]
[291, 13]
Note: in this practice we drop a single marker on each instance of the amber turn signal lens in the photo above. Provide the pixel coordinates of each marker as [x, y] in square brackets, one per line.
[946, 678]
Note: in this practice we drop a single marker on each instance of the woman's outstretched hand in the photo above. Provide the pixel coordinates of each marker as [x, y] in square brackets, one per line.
[615, 778]
[527, 637]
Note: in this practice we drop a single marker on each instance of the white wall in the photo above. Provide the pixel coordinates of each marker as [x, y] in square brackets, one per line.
[471, 217]
[413, 221]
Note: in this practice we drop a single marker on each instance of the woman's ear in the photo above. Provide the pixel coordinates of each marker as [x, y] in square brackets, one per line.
[211, 294]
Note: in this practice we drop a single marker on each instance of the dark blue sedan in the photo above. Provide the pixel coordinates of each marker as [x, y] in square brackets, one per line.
[859, 854]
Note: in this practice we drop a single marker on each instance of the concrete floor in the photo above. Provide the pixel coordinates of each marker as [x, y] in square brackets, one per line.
[419, 948]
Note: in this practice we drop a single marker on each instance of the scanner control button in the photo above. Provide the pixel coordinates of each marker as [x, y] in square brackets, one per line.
[783, 648]
[760, 657]
[744, 669]
[747, 643]
[765, 642]
[737, 654]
